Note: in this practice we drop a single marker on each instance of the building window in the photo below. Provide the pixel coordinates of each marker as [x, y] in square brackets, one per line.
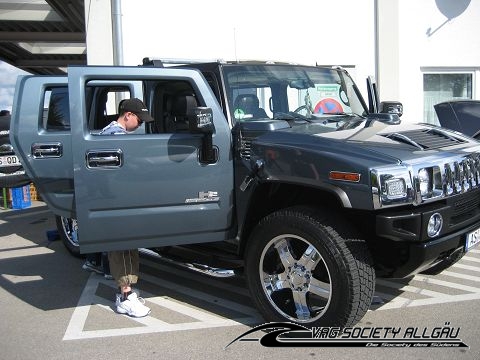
[439, 87]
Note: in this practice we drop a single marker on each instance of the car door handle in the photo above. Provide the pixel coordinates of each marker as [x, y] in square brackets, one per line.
[47, 150]
[104, 158]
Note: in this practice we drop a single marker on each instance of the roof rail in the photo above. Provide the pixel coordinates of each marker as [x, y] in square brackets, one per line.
[161, 61]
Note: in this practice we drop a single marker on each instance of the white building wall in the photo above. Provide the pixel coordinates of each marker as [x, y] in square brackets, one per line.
[428, 42]
[98, 24]
[309, 31]
[335, 32]
[387, 49]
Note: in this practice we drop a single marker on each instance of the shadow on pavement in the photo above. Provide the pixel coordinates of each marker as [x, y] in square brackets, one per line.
[45, 275]
[40, 273]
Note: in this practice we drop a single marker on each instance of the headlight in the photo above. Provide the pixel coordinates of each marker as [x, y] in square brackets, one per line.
[394, 188]
[424, 182]
[391, 186]
[428, 183]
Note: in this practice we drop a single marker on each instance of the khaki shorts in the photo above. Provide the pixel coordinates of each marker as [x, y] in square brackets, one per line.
[124, 266]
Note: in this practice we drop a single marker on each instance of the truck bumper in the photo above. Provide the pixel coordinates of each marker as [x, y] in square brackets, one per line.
[402, 246]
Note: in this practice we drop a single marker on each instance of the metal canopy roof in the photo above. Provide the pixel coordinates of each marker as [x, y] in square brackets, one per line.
[43, 36]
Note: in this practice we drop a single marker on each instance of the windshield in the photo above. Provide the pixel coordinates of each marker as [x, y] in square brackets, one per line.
[270, 91]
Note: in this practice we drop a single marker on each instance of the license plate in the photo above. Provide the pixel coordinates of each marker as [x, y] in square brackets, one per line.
[473, 239]
[9, 160]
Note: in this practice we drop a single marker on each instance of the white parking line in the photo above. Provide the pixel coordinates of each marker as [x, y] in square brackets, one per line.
[150, 324]
[18, 279]
[431, 297]
[421, 291]
[402, 303]
[471, 258]
[466, 267]
[408, 288]
[461, 276]
[432, 280]
[24, 252]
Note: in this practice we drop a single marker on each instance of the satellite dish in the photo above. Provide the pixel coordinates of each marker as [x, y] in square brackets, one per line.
[452, 8]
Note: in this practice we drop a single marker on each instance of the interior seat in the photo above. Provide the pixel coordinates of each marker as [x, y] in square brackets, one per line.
[182, 110]
[247, 106]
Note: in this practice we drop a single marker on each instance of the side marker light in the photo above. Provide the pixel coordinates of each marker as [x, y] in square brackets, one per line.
[345, 176]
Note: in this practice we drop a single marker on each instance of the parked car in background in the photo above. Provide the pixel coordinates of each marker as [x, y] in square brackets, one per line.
[12, 173]
[460, 115]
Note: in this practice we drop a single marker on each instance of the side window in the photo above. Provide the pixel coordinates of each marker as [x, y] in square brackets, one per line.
[56, 112]
[102, 105]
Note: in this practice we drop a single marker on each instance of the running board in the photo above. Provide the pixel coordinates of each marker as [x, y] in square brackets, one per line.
[201, 268]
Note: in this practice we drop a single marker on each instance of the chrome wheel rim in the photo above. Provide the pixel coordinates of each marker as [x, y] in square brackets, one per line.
[295, 278]
[70, 229]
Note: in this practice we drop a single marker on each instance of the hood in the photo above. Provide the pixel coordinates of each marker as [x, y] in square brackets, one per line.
[309, 154]
[380, 143]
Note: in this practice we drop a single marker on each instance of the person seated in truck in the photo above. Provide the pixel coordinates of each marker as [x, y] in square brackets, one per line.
[247, 106]
[127, 120]
[124, 264]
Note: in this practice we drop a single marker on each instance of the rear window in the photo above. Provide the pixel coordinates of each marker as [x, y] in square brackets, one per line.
[56, 112]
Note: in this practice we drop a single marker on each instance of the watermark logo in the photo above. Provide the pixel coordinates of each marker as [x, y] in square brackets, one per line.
[285, 334]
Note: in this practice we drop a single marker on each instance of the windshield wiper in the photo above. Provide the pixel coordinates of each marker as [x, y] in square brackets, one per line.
[290, 116]
[344, 114]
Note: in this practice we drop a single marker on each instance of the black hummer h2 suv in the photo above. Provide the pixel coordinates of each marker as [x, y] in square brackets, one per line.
[278, 168]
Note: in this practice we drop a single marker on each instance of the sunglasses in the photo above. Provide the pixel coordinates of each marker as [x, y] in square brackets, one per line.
[139, 121]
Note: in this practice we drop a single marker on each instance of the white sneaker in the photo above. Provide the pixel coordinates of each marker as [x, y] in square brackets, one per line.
[133, 306]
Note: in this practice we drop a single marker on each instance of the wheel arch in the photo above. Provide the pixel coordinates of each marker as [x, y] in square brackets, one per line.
[272, 196]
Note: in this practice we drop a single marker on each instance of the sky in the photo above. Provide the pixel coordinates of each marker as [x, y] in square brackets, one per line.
[238, 39]
[8, 78]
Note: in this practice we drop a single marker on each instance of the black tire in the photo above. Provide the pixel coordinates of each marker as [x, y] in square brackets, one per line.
[68, 230]
[324, 278]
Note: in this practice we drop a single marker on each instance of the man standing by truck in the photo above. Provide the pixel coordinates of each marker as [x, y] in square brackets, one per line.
[124, 264]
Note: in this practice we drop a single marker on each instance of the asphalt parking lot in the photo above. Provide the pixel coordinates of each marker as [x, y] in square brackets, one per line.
[50, 308]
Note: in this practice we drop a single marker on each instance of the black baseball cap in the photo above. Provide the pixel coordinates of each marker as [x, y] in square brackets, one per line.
[137, 107]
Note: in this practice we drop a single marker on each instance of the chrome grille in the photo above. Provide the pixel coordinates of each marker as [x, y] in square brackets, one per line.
[436, 176]
[465, 207]
[457, 175]
[461, 176]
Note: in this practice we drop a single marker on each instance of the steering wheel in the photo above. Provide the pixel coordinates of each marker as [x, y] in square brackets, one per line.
[300, 109]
